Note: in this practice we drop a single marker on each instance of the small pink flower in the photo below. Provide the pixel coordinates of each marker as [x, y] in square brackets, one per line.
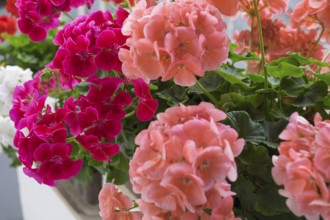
[302, 166]
[115, 205]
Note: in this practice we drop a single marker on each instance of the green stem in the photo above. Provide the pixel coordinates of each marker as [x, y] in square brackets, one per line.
[211, 97]
[318, 71]
[263, 55]
[261, 42]
[129, 114]
[250, 43]
[69, 16]
[109, 5]
[70, 139]
[317, 41]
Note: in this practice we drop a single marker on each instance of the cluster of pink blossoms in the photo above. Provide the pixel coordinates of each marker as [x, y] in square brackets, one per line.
[279, 39]
[231, 8]
[179, 40]
[37, 17]
[303, 167]
[182, 162]
[311, 13]
[89, 43]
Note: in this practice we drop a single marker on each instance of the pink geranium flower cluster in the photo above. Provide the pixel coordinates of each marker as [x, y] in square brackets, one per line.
[89, 43]
[303, 167]
[231, 8]
[115, 205]
[182, 162]
[311, 13]
[179, 40]
[279, 38]
[37, 17]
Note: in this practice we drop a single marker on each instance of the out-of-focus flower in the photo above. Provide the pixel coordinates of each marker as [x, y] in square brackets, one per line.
[7, 25]
[11, 8]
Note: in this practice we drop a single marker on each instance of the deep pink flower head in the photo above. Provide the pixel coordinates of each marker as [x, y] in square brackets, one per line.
[303, 167]
[176, 165]
[37, 17]
[179, 40]
[147, 104]
[115, 205]
[95, 118]
[88, 43]
[55, 163]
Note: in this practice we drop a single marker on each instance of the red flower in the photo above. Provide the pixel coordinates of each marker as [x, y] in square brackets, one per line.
[100, 151]
[55, 163]
[147, 105]
[7, 25]
[11, 8]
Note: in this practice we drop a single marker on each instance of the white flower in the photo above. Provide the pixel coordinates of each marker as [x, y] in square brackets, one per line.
[7, 131]
[10, 77]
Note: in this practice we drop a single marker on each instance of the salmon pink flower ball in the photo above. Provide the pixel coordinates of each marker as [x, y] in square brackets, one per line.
[174, 40]
[302, 167]
[179, 170]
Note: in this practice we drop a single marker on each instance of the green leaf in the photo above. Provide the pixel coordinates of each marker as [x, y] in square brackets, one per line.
[211, 82]
[233, 101]
[233, 77]
[304, 60]
[12, 155]
[86, 174]
[234, 57]
[284, 69]
[174, 95]
[251, 131]
[119, 161]
[17, 41]
[269, 202]
[245, 190]
[257, 161]
[120, 177]
[292, 86]
[313, 93]
[325, 77]
[273, 130]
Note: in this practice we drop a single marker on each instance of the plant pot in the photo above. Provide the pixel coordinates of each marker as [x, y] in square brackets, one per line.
[68, 201]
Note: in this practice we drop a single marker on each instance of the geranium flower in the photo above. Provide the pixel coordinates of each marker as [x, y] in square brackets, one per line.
[176, 165]
[147, 104]
[115, 205]
[55, 163]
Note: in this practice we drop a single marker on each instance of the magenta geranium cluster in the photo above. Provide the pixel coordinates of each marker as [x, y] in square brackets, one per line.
[94, 118]
[89, 43]
[41, 135]
[37, 17]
